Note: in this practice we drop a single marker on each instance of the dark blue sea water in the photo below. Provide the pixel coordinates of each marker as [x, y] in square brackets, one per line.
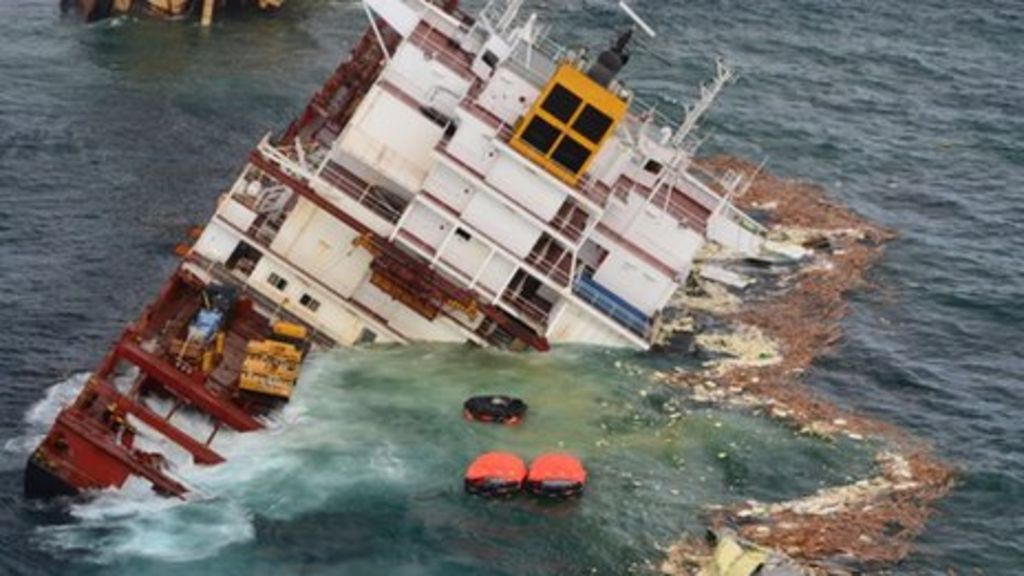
[115, 137]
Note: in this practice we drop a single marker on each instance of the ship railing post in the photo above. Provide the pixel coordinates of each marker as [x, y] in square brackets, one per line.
[376, 31]
[483, 268]
[441, 248]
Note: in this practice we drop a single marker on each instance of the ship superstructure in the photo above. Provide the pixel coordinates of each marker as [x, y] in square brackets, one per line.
[457, 179]
[474, 182]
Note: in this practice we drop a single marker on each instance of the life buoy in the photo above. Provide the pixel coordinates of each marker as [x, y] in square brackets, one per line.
[556, 476]
[495, 474]
[496, 409]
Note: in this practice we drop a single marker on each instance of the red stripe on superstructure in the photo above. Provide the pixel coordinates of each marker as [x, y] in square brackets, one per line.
[432, 40]
[637, 251]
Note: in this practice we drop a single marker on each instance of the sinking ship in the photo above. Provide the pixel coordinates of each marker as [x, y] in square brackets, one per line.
[458, 179]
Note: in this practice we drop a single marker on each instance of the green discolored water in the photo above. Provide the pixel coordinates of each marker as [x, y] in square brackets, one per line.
[362, 474]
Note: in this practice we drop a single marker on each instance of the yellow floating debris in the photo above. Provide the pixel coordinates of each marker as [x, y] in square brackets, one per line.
[731, 559]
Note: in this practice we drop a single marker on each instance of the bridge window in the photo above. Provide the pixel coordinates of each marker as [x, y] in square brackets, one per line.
[592, 124]
[561, 103]
[571, 154]
[541, 135]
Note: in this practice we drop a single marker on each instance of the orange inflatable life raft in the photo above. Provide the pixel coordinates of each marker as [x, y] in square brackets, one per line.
[556, 476]
[495, 474]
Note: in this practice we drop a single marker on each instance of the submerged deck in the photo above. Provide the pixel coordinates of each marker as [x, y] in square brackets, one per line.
[92, 443]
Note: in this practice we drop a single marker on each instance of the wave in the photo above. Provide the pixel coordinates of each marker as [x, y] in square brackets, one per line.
[40, 416]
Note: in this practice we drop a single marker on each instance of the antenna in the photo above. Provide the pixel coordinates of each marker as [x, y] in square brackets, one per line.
[723, 75]
[637, 19]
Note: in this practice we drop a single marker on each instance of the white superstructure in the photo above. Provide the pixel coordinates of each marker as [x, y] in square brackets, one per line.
[468, 180]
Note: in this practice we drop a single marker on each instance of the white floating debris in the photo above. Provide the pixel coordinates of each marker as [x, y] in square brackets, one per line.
[723, 276]
[786, 250]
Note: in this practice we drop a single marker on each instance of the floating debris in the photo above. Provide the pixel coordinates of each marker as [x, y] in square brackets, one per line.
[745, 346]
[771, 340]
[723, 276]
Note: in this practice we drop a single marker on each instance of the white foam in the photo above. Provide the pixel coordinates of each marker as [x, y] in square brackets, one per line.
[292, 467]
[40, 415]
[135, 523]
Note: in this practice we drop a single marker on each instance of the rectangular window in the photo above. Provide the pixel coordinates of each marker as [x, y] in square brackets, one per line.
[592, 124]
[561, 104]
[653, 166]
[309, 302]
[571, 154]
[277, 282]
[541, 135]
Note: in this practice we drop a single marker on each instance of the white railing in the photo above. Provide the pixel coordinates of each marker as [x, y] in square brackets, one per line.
[526, 307]
[365, 194]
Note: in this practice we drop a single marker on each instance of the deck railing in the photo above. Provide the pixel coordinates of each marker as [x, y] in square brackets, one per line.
[365, 194]
[610, 305]
[526, 307]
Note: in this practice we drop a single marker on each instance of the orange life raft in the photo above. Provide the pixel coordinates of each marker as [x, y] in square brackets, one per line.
[556, 476]
[495, 474]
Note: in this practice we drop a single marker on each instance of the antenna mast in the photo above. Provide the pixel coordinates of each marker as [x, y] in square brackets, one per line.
[637, 19]
[723, 75]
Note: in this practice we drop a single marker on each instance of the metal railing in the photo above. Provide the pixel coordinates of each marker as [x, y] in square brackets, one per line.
[565, 225]
[666, 201]
[367, 195]
[612, 306]
[550, 269]
[559, 224]
[526, 307]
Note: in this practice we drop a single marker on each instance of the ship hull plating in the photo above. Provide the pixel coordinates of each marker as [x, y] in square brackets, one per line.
[41, 483]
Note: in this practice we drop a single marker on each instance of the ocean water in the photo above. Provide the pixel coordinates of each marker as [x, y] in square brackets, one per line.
[115, 137]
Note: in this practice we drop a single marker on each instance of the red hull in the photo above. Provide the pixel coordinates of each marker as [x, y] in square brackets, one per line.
[91, 444]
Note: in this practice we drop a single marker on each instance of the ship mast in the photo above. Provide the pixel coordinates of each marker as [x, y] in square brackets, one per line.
[708, 94]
